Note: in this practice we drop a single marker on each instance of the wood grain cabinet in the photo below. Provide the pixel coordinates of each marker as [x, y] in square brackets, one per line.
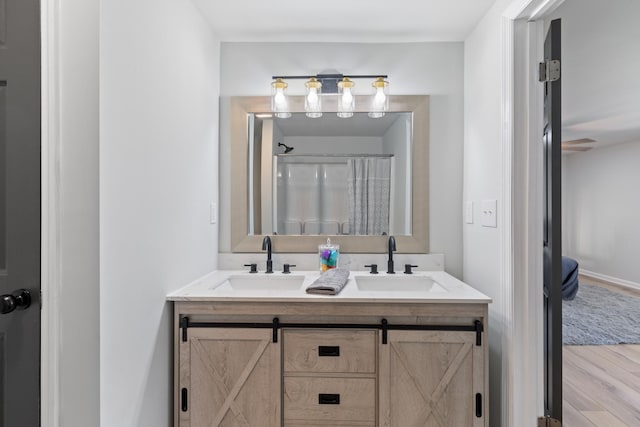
[229, 377]
[431, 379]
[425, 367]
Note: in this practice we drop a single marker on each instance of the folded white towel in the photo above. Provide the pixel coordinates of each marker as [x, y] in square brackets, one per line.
[330, 282]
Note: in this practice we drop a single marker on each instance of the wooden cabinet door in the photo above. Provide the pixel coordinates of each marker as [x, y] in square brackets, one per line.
[430, 379]
[229, 377]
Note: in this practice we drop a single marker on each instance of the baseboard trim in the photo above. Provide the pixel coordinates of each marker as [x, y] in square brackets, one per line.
[610, 280]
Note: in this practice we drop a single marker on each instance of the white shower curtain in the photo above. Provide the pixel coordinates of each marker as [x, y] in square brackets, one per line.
[369, 181]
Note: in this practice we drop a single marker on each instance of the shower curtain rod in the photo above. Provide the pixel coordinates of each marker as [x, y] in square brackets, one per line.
[334, 155]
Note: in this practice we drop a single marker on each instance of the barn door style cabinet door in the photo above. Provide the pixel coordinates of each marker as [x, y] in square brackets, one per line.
[431, 379]
[229, 377]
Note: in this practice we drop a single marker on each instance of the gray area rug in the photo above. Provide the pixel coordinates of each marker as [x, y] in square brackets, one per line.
[598, 316]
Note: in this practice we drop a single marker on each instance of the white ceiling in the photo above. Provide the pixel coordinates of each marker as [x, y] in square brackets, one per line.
[343, 21]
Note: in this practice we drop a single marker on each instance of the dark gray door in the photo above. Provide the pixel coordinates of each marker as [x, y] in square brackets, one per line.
[19, 213]
[552, 285]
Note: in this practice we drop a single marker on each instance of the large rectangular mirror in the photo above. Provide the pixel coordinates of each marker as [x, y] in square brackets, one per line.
[355, 179]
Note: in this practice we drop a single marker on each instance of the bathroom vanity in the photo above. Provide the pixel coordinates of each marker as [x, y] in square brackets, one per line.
[389, 350]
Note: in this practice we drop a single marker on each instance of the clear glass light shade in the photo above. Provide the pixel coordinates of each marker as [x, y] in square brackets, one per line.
[279, 101]
[313, 100]
[346, 100]
[380, 101]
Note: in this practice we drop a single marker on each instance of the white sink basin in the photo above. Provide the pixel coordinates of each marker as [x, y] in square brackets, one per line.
[264, 282]
[398, 283]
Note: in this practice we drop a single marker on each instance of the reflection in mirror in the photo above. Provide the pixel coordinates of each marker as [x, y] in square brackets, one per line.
[330, 176]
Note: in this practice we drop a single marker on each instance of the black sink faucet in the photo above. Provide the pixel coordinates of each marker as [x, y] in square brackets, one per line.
[392, 247]
[266, 245]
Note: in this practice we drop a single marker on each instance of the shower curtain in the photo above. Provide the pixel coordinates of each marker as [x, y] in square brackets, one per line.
[369, 181]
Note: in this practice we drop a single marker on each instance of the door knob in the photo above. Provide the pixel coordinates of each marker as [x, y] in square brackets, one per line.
[20, 300]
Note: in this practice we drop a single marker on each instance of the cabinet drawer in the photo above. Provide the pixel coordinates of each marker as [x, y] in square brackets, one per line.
[330, 351]
[329, 399]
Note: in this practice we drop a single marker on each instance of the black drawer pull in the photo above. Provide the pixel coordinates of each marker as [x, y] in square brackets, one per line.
[328, 399]
[329, 350]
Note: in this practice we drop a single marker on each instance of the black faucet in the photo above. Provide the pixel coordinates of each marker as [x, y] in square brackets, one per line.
[392, 247]
[266, 245]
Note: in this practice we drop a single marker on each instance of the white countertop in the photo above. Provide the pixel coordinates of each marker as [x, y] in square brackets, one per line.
[215, 287]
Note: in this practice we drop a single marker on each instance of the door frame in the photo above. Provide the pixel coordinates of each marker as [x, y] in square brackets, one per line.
[50, 220]
[521, 264]
[69, 213]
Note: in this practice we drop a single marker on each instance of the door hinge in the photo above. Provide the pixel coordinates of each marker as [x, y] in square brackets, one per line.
[548, 422]
[549, 71]
[478, 405]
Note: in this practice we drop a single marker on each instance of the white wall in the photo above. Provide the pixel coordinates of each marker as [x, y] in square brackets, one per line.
[333, 144]
[482, 179]
[600, 211]
[434, 69]
[158, 175]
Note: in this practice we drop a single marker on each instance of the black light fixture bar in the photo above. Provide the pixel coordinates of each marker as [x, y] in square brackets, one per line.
[330, 81]
[332, 76]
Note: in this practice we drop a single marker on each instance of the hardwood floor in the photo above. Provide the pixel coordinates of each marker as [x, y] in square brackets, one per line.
[602, 382]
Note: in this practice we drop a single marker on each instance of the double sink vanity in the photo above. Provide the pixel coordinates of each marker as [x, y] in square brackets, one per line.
[393, 350]
[388, 350]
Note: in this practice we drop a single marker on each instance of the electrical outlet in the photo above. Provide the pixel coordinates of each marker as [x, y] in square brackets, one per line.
[489, 213]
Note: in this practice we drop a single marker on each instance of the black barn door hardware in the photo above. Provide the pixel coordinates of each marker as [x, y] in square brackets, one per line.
[384, 326]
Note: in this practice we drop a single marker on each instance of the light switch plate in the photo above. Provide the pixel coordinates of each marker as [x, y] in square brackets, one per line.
[213, 213]
[468, 212]
[489, 213]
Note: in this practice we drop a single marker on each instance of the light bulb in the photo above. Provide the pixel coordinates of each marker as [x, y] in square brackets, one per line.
[312, 97]
[347, 97]
[312, 104]
[380, 99]
[279, 99]
[346, 100]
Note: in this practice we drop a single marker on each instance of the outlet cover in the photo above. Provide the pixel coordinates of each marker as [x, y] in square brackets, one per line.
[489, 213]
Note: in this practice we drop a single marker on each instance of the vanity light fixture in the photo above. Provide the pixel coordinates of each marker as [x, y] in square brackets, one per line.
[279, 103]
[322, 85]
[313, 101]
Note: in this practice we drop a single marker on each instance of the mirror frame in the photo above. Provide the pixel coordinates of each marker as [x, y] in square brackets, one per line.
[418, 242]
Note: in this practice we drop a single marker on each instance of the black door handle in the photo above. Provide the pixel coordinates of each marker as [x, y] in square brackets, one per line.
[20, 300]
